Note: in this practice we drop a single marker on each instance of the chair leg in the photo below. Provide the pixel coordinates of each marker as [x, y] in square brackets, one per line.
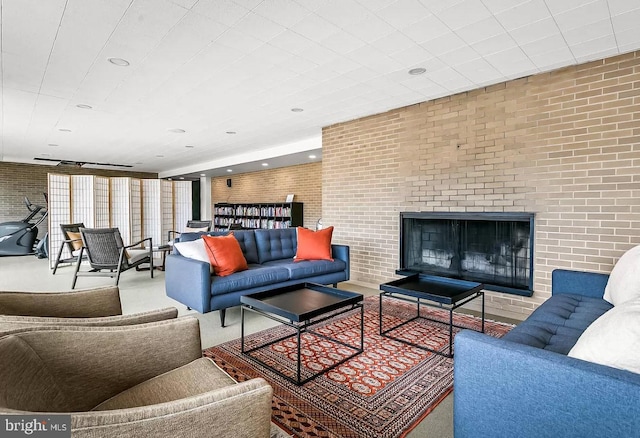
[75, 274]
[222, 315]
[151, 265]
[118, 276]
[55, 266]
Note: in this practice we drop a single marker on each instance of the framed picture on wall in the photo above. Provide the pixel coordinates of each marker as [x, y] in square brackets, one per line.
[290, 198]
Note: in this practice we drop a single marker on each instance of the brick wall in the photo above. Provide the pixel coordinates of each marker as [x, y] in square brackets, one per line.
[305, 181]
[564, 145]
[18, 180]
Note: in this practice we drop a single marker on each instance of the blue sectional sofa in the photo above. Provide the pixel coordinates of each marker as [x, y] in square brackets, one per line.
[525, 385]
[269, 254]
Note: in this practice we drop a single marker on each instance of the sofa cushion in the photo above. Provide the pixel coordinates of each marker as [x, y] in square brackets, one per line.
[247, 241]
[314, 245]
[276, 244]
[624, 280]
[255, 276]
[558, 323]
[309, 268]
[194, 378]
[613, 339]
[225, 254]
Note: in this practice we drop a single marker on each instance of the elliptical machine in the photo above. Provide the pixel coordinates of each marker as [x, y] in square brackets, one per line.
[21, 237]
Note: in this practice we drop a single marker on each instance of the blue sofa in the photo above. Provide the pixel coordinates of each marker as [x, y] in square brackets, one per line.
[525, 385]
[269, 254]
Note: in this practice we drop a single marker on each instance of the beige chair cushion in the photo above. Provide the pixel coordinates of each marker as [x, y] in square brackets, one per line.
[195, 378]
[30, 386]
[11, 323]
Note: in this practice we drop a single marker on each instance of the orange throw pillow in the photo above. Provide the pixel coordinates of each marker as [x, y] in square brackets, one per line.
[314, 245]
[225, 254]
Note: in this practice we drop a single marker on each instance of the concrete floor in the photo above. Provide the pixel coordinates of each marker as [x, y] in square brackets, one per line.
[140, 293]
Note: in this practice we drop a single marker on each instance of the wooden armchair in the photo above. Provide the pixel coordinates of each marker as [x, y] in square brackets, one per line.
[73, 242]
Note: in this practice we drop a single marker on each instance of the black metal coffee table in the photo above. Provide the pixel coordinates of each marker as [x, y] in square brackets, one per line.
[302, 306]
[430, 290]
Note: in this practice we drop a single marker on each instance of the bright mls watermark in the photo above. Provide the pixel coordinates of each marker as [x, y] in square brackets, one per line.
[35, 426]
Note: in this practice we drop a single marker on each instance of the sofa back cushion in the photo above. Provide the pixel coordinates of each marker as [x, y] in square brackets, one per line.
[276, 244]
[245, 238]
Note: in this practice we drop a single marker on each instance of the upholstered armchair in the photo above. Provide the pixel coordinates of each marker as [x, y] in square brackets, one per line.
[90, 307]
[146, 380]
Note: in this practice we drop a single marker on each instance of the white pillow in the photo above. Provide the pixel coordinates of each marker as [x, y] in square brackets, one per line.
[193, 249]
[613, 339]
[624, 281]
[195, 230]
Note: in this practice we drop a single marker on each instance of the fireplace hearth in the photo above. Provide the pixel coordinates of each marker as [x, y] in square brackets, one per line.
[491, 248]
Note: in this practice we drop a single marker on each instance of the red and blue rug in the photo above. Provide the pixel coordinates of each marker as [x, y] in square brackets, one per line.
[383, 392]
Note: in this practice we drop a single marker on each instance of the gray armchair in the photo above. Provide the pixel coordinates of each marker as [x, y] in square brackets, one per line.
[20, 311]
[148, 380]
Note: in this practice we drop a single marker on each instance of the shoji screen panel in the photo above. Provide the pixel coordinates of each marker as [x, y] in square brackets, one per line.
[152, 210]
[126, 213]
[166, 189]
[59, 191]
[90, 200]
[101, 202]
[182, 211]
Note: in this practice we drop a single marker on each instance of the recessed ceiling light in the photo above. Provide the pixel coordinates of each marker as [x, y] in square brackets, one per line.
[168, 179]
[203, 174]
[182, 177]
[312, 156]
[231, 132]
[159, 156]
[189, 146]
[83, 106]
[64, 130]
[229, 170]
[265, 164]
[297, 110]
[53, 145]
[119, 62]
[417, 71]
[177, 130]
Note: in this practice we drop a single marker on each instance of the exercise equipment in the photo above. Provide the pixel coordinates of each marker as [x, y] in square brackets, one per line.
[21, 237]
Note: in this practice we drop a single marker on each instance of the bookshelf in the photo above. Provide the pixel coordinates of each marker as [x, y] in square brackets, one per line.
[258, 215]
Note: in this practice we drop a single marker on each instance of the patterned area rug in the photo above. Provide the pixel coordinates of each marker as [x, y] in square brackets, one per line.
[383, 392]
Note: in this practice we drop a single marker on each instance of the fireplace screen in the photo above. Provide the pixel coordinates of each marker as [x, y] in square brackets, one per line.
[492, 248]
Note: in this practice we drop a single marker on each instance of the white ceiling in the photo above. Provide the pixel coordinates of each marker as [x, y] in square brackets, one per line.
[213, 66]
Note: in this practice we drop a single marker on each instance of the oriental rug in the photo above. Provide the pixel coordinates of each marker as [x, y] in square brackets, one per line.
[382, 393]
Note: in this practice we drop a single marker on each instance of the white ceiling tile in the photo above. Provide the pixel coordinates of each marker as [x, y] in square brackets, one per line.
[412, 56]
[404, 12]
[480, 70]
[626, 21]
[291, 42]
[545, 45]
[498, 43]
[549, 60]
[426, 29]
[594, 49]
[342, 42]
[618, 7]
[284, 12]
[315, 28]
[582, 15]
[588, 32]
[436, 6]
[342, 13]
[444, 44]
[560, 6]
[463, 14]
[394, 42]
[497, 6]
[459, 56]
[239, 41]
[187, 4]
[374, 59]
[628, 40]
[523, 14]
[511, 61]
[250, 4]
[258, 27]
[372, 5]
[535, 31]
[223, 11]
[480, 30]
[370, 28]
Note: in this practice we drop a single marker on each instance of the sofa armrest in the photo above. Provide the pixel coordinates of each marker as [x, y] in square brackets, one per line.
[239, 411]
[341, 252]
[189, 282]
[589, 284]
[88, 303]
[504, 389]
